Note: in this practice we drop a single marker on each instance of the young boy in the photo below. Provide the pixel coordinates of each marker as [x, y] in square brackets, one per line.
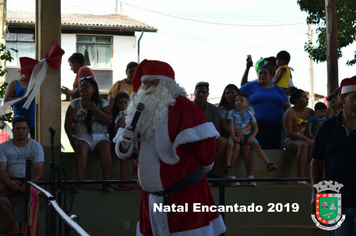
[283, 73]
[239, 118]
[316, 120]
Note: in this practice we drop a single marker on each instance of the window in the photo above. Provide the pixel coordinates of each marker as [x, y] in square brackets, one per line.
[97, 51]
[24, 43]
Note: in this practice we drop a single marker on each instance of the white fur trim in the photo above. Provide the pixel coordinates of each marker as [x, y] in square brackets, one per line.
[207, 168]
[149, 166]
[155, 77]
[159, 220]
[138, 233]
[117, 140]
[197, 133]
[348, 88]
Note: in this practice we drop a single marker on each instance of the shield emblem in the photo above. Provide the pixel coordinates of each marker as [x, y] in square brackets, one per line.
[328, 208]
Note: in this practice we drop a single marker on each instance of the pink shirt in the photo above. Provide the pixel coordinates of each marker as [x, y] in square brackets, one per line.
[3, 136]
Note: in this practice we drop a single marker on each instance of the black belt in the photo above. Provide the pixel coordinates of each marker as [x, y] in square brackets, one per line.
[187, 181]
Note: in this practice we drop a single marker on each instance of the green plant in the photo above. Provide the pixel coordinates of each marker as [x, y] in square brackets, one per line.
[5, 55]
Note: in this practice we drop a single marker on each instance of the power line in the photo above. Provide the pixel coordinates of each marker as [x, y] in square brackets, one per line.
[208, 22]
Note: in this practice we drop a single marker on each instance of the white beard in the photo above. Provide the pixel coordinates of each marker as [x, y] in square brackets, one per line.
[157, 100]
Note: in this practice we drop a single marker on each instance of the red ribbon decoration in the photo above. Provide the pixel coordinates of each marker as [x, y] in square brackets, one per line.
[53, 59]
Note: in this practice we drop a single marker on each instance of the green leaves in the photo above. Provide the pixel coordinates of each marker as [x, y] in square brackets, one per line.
[346, 26]
[5, 55]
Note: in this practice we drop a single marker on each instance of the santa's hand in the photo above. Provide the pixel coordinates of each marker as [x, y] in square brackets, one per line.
[127, 138]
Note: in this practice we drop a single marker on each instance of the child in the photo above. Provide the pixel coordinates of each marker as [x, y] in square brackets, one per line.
[3, 134]
[316, 120]
[238, 119]
[283, 73]
[120, 105]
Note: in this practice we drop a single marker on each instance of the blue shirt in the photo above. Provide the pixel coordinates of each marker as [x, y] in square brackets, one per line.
[316, 123]
[241, 120]
[268, 102]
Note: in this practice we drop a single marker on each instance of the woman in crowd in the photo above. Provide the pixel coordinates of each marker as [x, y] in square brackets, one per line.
[335, 105]
[269, 102]
[86, 124]
[295, 123]
[227, 103]
[124, 85]
[15, 89]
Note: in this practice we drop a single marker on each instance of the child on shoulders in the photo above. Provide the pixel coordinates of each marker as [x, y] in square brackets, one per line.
[239, 118]
[316, 120]
[283, 73]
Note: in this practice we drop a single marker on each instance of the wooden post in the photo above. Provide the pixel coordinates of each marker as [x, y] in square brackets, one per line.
[48, 99]
[331, 41]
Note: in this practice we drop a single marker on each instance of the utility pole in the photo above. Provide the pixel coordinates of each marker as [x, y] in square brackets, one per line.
[331, 42]
[311, 69]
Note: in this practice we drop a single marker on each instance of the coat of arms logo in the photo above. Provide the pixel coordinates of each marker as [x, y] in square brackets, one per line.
[328, 205]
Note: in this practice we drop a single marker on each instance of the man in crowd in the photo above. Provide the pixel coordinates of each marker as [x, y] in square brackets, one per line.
[13, 155]
[212, 113]
[77, 65]
[175, 144]
[335, 147]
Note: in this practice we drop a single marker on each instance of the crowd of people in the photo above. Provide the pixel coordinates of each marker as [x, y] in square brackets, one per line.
[175, 136]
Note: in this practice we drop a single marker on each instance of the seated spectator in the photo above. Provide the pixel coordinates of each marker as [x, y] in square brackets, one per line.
[13, 155]
[4, 136]
[316, 120]
[121, 102]
[212, 113]
[239, 118]
[124, 85]
[16, 89]
[77, 65]
[86, 124]
[227, 103]
[335, 106]
[269, 103]
[295, 124]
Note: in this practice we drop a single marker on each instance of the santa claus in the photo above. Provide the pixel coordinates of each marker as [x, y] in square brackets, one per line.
[175, 145]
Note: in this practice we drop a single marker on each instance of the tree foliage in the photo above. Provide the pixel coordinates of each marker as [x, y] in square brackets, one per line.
[346, 26]
[5, 55]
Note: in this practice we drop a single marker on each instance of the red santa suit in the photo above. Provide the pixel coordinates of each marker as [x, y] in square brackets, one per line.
[185, 141]
[182, 143]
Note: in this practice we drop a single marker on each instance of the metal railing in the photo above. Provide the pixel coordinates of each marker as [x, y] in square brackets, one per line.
[51, 215]
[70, 224]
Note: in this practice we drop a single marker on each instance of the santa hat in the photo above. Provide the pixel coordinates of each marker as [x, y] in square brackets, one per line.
[150, 69]
[347, 85]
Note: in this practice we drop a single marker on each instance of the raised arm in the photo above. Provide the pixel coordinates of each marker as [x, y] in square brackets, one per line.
[244, 79]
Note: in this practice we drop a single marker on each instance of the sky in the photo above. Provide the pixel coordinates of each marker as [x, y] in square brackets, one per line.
[205, 40]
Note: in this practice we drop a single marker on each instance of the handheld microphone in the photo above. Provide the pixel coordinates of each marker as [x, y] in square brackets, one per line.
[140, 107]
[52, 131]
